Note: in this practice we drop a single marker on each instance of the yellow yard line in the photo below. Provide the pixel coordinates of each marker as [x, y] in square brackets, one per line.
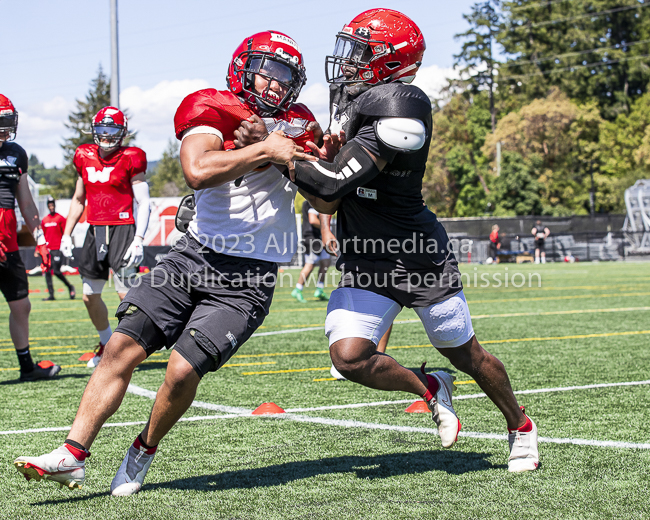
[488, 342]
[548, 298]
[575, 336]
[157, 361]
[551, 313]
[285, 371]
[41, 348]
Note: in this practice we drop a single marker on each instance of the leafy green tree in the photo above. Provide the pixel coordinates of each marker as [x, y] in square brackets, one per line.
[516, 191]
[559, 140]
[168, 180]
[594, 50]
[41, 174]
[624, 155]
[455, 179]
[477, 52]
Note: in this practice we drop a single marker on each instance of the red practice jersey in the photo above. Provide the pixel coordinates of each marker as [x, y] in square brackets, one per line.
[53, 228]
[223, 110]
[108, 182]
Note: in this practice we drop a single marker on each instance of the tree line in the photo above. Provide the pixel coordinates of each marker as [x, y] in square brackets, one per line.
[551, 113]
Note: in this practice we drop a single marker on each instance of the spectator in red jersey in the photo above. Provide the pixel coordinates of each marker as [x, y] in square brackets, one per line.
[495, 243]
[13, 277]
[111, 177]
[53, 227]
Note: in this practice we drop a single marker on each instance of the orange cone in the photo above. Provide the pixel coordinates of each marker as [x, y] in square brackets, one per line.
[267, 409]
[418, 407]
[87, 356]
[45, 363]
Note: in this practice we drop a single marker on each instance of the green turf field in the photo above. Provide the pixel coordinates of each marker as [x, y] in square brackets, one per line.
[587, 325]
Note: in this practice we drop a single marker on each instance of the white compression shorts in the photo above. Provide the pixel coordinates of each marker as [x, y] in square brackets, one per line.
[356, 313]
[95, 286]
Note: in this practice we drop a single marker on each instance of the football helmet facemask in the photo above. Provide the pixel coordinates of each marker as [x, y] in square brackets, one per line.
[8, 119]
[275, 57]
[377, 46]
[109, 128]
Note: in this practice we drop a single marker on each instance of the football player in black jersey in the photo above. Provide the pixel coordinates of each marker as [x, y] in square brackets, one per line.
[14, 188]
[394, 251]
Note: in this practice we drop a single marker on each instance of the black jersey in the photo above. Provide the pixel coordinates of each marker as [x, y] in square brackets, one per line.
[390, 206]
[13, 163]
[384, 225]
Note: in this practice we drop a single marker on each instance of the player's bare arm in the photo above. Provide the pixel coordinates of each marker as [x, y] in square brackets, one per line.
[329, 240]
[207, 165]
[30, 214]
[26, 205]
[328, 208]
[77, 205]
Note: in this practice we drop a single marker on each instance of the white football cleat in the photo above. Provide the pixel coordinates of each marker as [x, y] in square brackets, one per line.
[94, 361]
[130, 476]
[524, 455]
[442, 410]
[336, 374]
[59, 466]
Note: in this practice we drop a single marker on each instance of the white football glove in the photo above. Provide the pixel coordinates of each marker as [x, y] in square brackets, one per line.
[135, 253]
[66, 246]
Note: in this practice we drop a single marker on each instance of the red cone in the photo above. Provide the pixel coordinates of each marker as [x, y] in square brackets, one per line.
[267, 409]
[418, 407]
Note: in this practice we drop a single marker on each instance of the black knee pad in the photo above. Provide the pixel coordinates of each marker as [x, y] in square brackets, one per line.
[137, 325]
[197, 349]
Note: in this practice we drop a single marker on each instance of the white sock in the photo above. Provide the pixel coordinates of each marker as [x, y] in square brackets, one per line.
[320, 285]
[299, 286]
[105, 335]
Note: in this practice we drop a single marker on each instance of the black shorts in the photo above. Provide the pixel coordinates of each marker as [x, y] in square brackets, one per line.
[117, 240]
[57, 261]
[222, 298]
[13, 278]
[539, 244]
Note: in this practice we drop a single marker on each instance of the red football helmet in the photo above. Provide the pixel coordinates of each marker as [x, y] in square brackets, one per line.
[378, 46]
[275, 57]
[8, 119]
[109, 128]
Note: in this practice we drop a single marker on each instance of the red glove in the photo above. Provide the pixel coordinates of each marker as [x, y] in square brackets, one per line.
[46, 259]
[43, 251]
[3, 250]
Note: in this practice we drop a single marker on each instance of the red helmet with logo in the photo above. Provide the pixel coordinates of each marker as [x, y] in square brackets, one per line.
[8, 119]
[109, 128]
[378, 46]
[275, 57]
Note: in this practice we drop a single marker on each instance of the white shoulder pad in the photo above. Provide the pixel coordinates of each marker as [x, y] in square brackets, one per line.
[400, 132]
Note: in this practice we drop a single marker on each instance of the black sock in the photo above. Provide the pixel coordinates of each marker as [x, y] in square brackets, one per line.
[144, 443]
[25, 360]
[75, 444]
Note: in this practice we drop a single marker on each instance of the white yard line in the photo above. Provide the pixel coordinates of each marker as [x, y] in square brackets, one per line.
[236, 412]
[136, 390]
[469, 396]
